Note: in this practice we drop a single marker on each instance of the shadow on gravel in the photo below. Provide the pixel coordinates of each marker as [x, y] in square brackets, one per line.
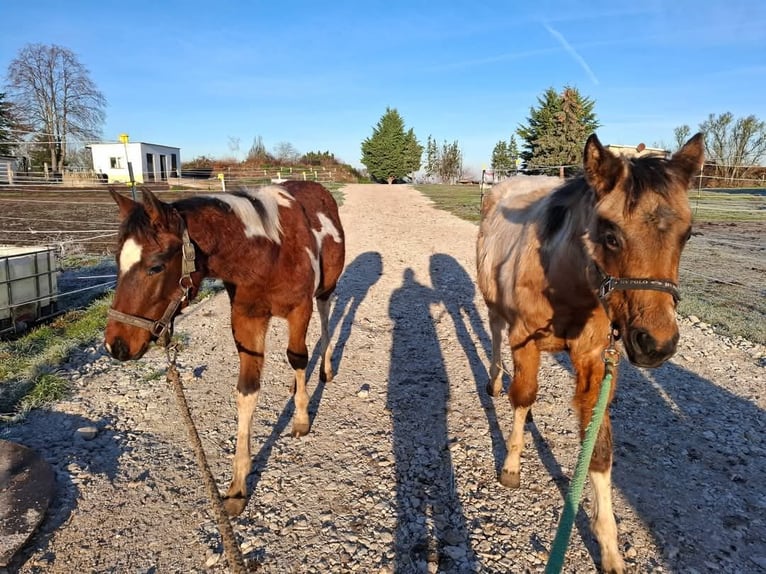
[353, 286]
[430, 525]
[689, 456]
[455, 288]
[357, 279]
[59, 444]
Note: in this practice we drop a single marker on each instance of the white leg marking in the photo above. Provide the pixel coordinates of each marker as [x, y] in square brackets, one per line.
[130, 255]
[301, 398]
[515, 443]
[603, 522]
[242, 464]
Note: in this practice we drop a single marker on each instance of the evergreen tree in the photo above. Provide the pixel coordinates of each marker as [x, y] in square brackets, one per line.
[6, 125]
[513, 152]
[432, 157]
[450, 162]
[390, 153]
[501, 160]
[556, 131]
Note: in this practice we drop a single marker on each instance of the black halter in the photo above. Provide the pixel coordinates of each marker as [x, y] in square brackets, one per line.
[161, 327]
[607, 284]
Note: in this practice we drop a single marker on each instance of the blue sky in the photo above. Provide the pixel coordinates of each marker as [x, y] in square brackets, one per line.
[320, 75]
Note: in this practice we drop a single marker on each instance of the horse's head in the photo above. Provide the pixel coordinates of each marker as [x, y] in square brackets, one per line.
[640, 225]
[150, 287]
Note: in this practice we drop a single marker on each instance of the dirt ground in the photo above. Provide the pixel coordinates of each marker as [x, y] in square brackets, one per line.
[398, 472]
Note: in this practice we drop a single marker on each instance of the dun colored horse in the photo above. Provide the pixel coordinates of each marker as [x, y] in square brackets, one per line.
[575, 265]
[274, 247]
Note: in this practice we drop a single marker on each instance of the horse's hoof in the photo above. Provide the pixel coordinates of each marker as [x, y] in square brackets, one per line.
[613, 565]
[510, 479]
[493, 391]
[326, 377]
[300, 429]
[234, 505]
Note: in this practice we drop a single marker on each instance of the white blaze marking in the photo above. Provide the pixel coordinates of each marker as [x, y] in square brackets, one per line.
[130, 255]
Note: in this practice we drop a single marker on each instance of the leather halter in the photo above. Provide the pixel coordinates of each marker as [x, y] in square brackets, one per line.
[161, 327]
[609, 283]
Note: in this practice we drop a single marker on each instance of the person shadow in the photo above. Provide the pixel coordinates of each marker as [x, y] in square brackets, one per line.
[456, 290]
[430, 526]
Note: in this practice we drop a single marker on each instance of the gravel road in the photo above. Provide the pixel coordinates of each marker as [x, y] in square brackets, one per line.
[398, 472]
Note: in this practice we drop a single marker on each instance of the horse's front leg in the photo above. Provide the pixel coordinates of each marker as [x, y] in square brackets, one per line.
[590, 374]
[298, 356]
[250, 338]
[325, 367]
[522, 393]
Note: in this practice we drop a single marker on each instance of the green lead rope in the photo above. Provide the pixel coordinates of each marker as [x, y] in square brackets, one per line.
[564, 532]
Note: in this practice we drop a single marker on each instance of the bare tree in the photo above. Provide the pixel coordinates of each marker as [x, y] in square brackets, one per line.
[681, 135]
[286, 153]
[234, 146]
[734, 145]
[54, 93]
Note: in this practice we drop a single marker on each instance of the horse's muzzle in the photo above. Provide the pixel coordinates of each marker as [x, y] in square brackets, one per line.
[120, 350]
[645, 351]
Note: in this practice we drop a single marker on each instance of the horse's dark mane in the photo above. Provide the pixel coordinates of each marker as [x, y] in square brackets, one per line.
[648, 174]
[563, 203]
[645, 175]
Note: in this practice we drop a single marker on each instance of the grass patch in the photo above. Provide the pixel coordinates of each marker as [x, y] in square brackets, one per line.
[461, 200]
[28, 363]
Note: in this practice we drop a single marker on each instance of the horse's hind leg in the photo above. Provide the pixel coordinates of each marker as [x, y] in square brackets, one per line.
[249, 336]
[496, 325]
[325, 367]
[297, 355]
[589, 378]
[522, 392]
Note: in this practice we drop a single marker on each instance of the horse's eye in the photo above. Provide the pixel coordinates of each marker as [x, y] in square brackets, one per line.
[155, 269]
[610, 240]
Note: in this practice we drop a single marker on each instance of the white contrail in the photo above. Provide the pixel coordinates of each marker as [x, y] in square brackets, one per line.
[572, 52]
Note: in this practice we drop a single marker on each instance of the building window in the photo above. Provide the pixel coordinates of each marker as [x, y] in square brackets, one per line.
[115, 162]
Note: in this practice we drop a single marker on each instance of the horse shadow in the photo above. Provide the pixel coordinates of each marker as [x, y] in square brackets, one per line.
[430, 526]
[684, 445]
[675, 445]
[53, 435]
[357, 279]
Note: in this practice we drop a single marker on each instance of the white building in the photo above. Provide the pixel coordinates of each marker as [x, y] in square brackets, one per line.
[150, 162]
[7, 168]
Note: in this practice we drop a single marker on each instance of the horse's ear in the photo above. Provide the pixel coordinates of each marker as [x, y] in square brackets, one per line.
[603, 169]
[156, 210]
[125, 204]
[689, 159]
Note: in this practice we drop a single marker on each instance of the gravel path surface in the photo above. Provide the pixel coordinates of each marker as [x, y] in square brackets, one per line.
[398, 472]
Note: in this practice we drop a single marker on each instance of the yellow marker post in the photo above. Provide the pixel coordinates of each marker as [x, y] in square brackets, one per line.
[124, 139]
[223, 182]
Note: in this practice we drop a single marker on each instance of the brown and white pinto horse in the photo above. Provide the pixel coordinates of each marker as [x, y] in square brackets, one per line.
[570, 265]
[274, 247]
